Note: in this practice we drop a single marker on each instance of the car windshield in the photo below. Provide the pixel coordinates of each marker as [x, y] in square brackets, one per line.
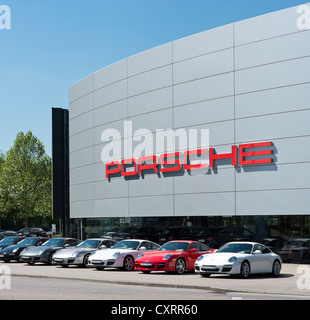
[29, 241]
[89, 244]
[127, 244]
[296, 243]
[9, 240]
[236, 248]
[174, 246]
[54, 243]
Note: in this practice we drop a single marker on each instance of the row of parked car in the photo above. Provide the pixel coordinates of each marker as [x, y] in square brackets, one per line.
[174, 256]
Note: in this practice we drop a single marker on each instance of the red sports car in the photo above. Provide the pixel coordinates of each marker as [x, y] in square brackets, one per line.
[176, 256]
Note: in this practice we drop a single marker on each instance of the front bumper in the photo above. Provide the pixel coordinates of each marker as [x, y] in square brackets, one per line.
[33, 259]
[220, 269]
[8, 256]
[68, 260]
[155, 266]
[104, 263]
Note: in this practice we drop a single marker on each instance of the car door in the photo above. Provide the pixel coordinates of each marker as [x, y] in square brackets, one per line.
[261, 261]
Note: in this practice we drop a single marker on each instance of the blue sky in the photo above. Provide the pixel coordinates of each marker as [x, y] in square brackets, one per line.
[55, 43]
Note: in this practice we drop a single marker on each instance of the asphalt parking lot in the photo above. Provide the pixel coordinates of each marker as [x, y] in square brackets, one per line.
[293, 280]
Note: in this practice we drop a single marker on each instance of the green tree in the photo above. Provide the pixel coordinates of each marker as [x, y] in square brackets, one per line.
[26, 181]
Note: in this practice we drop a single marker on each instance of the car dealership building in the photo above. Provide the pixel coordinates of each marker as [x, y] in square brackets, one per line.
[208, 130]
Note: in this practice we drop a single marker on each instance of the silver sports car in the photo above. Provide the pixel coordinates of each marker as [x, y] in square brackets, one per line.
[45, 252]
[79, 255]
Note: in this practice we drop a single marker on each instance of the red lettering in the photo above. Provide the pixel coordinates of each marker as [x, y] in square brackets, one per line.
[128, 173]
[193, 166]
[151, 166]
[231, 155]
[109, 171]
[168, 162]
[243, 154]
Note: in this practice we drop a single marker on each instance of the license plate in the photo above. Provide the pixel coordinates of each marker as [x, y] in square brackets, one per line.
[145, 264]
[209, 267]
[58, 260]
[25, 258]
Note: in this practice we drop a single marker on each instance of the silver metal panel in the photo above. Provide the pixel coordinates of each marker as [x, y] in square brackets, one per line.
[266, 26]
[151, 206]
[273, 50]
[150, 80]
[277, 100]
[273, 75]
[203, 66]
[205, 204]
[204, 89]
[150, 101]
[111, 93]
[113, 73]
[81, 88]
[203, 42]
[273, 202]
[82, 157]
[150, 59]
[110, 112]
[117, 207]
[204, 112]
[81, 123]
[275, 126]
[288, 176]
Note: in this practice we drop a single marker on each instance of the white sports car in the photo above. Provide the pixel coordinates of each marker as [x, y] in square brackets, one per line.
[122, 255]
[241, 258]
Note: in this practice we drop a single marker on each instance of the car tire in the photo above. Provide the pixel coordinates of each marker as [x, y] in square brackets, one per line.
[245, 269]
[128, 264]
[85, 260]
[180, 266]
[50, 258]
[205, 275]
[99, 268]
[276, 268]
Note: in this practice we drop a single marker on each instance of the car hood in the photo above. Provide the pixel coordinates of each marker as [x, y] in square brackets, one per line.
[108, 253]
[69, 251]
[159, 255]
[220, 257]
[36, 250]
[10, 248]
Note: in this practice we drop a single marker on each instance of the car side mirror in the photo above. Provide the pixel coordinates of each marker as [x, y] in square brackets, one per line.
[102, 247]
[66, 245]
[257, 252]
[142, 248]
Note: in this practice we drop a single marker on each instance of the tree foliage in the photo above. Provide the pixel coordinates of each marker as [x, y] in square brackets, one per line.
[25, 181]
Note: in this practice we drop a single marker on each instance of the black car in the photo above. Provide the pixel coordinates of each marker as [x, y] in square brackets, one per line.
[8, 241]
[7, 233]
[45, 252]
[31, 232]
[12, 252]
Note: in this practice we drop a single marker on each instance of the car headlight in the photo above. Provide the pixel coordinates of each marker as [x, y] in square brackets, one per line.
[232, 259]
[75, 253]
[116, 254]
[140, 255]
[14, 250]
[167, 256]
[199, 258]
[40, 252]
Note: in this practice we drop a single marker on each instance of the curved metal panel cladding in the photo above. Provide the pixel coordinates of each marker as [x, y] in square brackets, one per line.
[246, 82]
